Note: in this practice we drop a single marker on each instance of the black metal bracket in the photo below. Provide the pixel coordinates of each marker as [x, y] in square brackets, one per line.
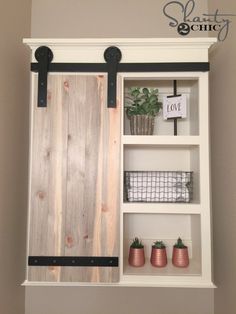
[175, 119]
[126, 67]
[44, 56]
[84, 261]
[112, 56]
[164, 67]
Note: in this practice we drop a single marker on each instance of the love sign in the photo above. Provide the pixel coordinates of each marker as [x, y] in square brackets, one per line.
[174, 107]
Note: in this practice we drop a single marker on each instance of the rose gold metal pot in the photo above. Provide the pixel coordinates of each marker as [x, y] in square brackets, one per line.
[158, 257]
[180, 257]
[136, 257]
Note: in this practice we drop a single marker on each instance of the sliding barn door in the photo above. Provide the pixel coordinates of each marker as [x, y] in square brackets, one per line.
[74, 184]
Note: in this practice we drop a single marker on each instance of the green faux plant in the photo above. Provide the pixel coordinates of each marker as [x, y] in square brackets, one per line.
[142, 101]
[179, 244]
[158, 245]
[137, 244]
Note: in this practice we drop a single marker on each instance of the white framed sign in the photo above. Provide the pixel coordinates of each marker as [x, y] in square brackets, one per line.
[174, 107]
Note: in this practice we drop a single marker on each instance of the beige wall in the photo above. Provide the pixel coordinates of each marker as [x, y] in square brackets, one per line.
[223, 126]
[107, 18]
[14, 86]
[89, 300]
[104, 18]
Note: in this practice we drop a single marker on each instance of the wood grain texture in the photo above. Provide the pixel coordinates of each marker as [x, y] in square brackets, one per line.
[75, 179]
[48, 181]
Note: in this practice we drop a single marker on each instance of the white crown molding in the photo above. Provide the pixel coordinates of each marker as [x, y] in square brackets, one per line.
[206, 41]
[133, 49]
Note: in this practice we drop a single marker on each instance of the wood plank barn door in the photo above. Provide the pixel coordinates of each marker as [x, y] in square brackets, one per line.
[74, 179]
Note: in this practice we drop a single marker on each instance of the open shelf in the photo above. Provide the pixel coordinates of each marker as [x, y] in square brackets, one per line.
[188, 87]
[167, 228]
[164, 152]
[164, 158]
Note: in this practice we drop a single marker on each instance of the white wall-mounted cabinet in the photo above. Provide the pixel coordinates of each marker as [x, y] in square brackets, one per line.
[80, 151]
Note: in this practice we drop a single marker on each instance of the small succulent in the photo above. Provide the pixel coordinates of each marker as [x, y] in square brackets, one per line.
[158, 245]
[142, 101]
[137, 244]
[179, 244]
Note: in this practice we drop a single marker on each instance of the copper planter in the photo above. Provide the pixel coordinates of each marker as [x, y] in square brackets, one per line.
[158, 257]
[136, 257]
[141, 125]
[180, 257]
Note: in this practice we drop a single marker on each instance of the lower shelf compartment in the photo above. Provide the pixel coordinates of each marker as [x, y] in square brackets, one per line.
[150, 228]
[194, 269]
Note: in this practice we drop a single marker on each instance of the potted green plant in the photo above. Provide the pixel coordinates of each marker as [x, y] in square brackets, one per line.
[142, 106]
[158, 255]
[136, 253]
[180, 256]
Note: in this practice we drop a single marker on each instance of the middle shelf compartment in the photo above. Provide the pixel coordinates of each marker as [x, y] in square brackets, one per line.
[171, 164]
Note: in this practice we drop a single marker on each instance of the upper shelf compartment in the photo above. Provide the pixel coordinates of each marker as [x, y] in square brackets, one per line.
[186, 85]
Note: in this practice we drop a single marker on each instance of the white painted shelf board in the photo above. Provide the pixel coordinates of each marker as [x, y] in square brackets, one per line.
[194, 269]
[167, 281]
[125, 282]
[95, 41]
[160, 140]
[161, 208]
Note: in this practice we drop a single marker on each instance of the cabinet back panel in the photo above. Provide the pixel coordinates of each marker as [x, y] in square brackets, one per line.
[75, 178]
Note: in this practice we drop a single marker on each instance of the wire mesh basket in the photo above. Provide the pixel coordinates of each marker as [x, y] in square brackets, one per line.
[158, 186]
